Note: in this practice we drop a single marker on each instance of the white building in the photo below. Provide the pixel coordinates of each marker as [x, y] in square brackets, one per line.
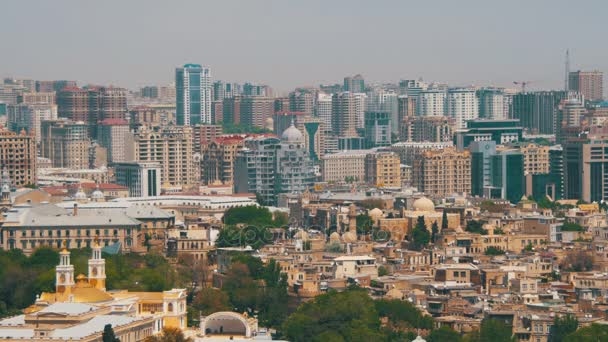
[492, 104]
[360, 99]
[462, 105]
[323, 109]
[431, 102]
[352, 266]
[142, 178]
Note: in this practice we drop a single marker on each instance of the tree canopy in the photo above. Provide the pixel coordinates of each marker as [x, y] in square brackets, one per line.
[420, 235]
[562, 327]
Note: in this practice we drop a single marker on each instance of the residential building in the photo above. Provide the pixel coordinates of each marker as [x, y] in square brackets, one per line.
[383, 169]
[323, 109]
[29, 116]
[204, 134]
[442, 173]
[410, 151]
[303, 101]
[223, 90]
[18, 158]
[269, 166]
[66, 143]
[171, 146]
[590, 84]
[462, 105]
[536, 157]
[255, 110]
[492, 104]
[193, 90]
[432, 102]
[116, 137]
[537, 111]
[344, 115]
[344, 165]
[427, 128]
[354, 84]
[218, 159]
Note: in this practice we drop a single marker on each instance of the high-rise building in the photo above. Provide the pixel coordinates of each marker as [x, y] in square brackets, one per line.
[383, 169]
[590, 84]
[223, 90]
[492, 104]
[442, 173]
[410, 151]
[302, 100]
[29, 116]
[570, 115]
[462, 106]
[427, 128]
[536, 157]
[344, 115]
[269, 166]
[360, 106]
[507, 176]
[537, 110]
[377, 128]
[314, 132]
[481, 167]
[432, 102]
[354, 84]
[171, 146]
[18, 157]
[255, 110]
[142, 178]
[66, 143]
[48, 98]
[54, 86]
[585, 161]
[386, 101]
[323, 109]
[250, 89]
[115, 135]
[73, 104]
[231, 110]
[193, 90]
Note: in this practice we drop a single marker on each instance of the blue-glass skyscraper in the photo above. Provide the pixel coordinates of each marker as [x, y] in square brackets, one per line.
[193, 94]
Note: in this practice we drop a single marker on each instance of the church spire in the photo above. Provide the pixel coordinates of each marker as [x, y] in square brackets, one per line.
[97, 267]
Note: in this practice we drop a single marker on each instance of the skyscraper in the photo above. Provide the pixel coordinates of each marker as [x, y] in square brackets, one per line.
[354, 84]
[491, 104]
[462, 106]
[344, 115]
[590, 84]
[115, 136]
[537, 110]
[377, 128]
[66, 143]
[431, 102]
[193, 90]
[18, 157]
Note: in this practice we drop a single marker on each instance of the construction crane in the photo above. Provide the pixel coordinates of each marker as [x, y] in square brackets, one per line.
[523, 85]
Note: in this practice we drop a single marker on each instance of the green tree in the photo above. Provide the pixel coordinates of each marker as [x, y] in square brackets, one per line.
[420, 235]
[562, 327]
[444, 334]
[209, 300]
[475, 226]
[403, 313]
[169, 335]
[364, 224]
[108, 334]
[593, 333]
[382, 271]
[434, 232]
[444, 220]
[335, 316]
[572, 227]
[494, 251]
[495, 331]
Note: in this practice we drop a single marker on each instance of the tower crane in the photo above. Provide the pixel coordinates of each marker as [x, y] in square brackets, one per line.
[523, 85]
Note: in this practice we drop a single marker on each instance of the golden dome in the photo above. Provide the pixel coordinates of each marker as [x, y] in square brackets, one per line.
[83, 292]
[423, 204]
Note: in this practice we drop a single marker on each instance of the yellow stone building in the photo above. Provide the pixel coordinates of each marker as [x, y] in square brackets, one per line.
[167, 308]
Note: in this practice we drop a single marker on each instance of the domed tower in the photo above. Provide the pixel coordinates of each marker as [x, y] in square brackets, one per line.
[80, 196]
[64, 273]
[292, 134]
[97, 195]
[97, 268]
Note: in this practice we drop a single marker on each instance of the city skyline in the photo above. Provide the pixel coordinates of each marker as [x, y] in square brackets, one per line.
[292, 45]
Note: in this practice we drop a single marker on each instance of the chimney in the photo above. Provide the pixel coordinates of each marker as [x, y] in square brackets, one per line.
[75, 209]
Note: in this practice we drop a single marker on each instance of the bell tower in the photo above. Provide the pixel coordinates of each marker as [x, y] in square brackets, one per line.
[64, 273]
[97, 268]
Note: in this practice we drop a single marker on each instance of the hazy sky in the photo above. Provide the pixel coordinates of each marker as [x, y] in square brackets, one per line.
[287, 43]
